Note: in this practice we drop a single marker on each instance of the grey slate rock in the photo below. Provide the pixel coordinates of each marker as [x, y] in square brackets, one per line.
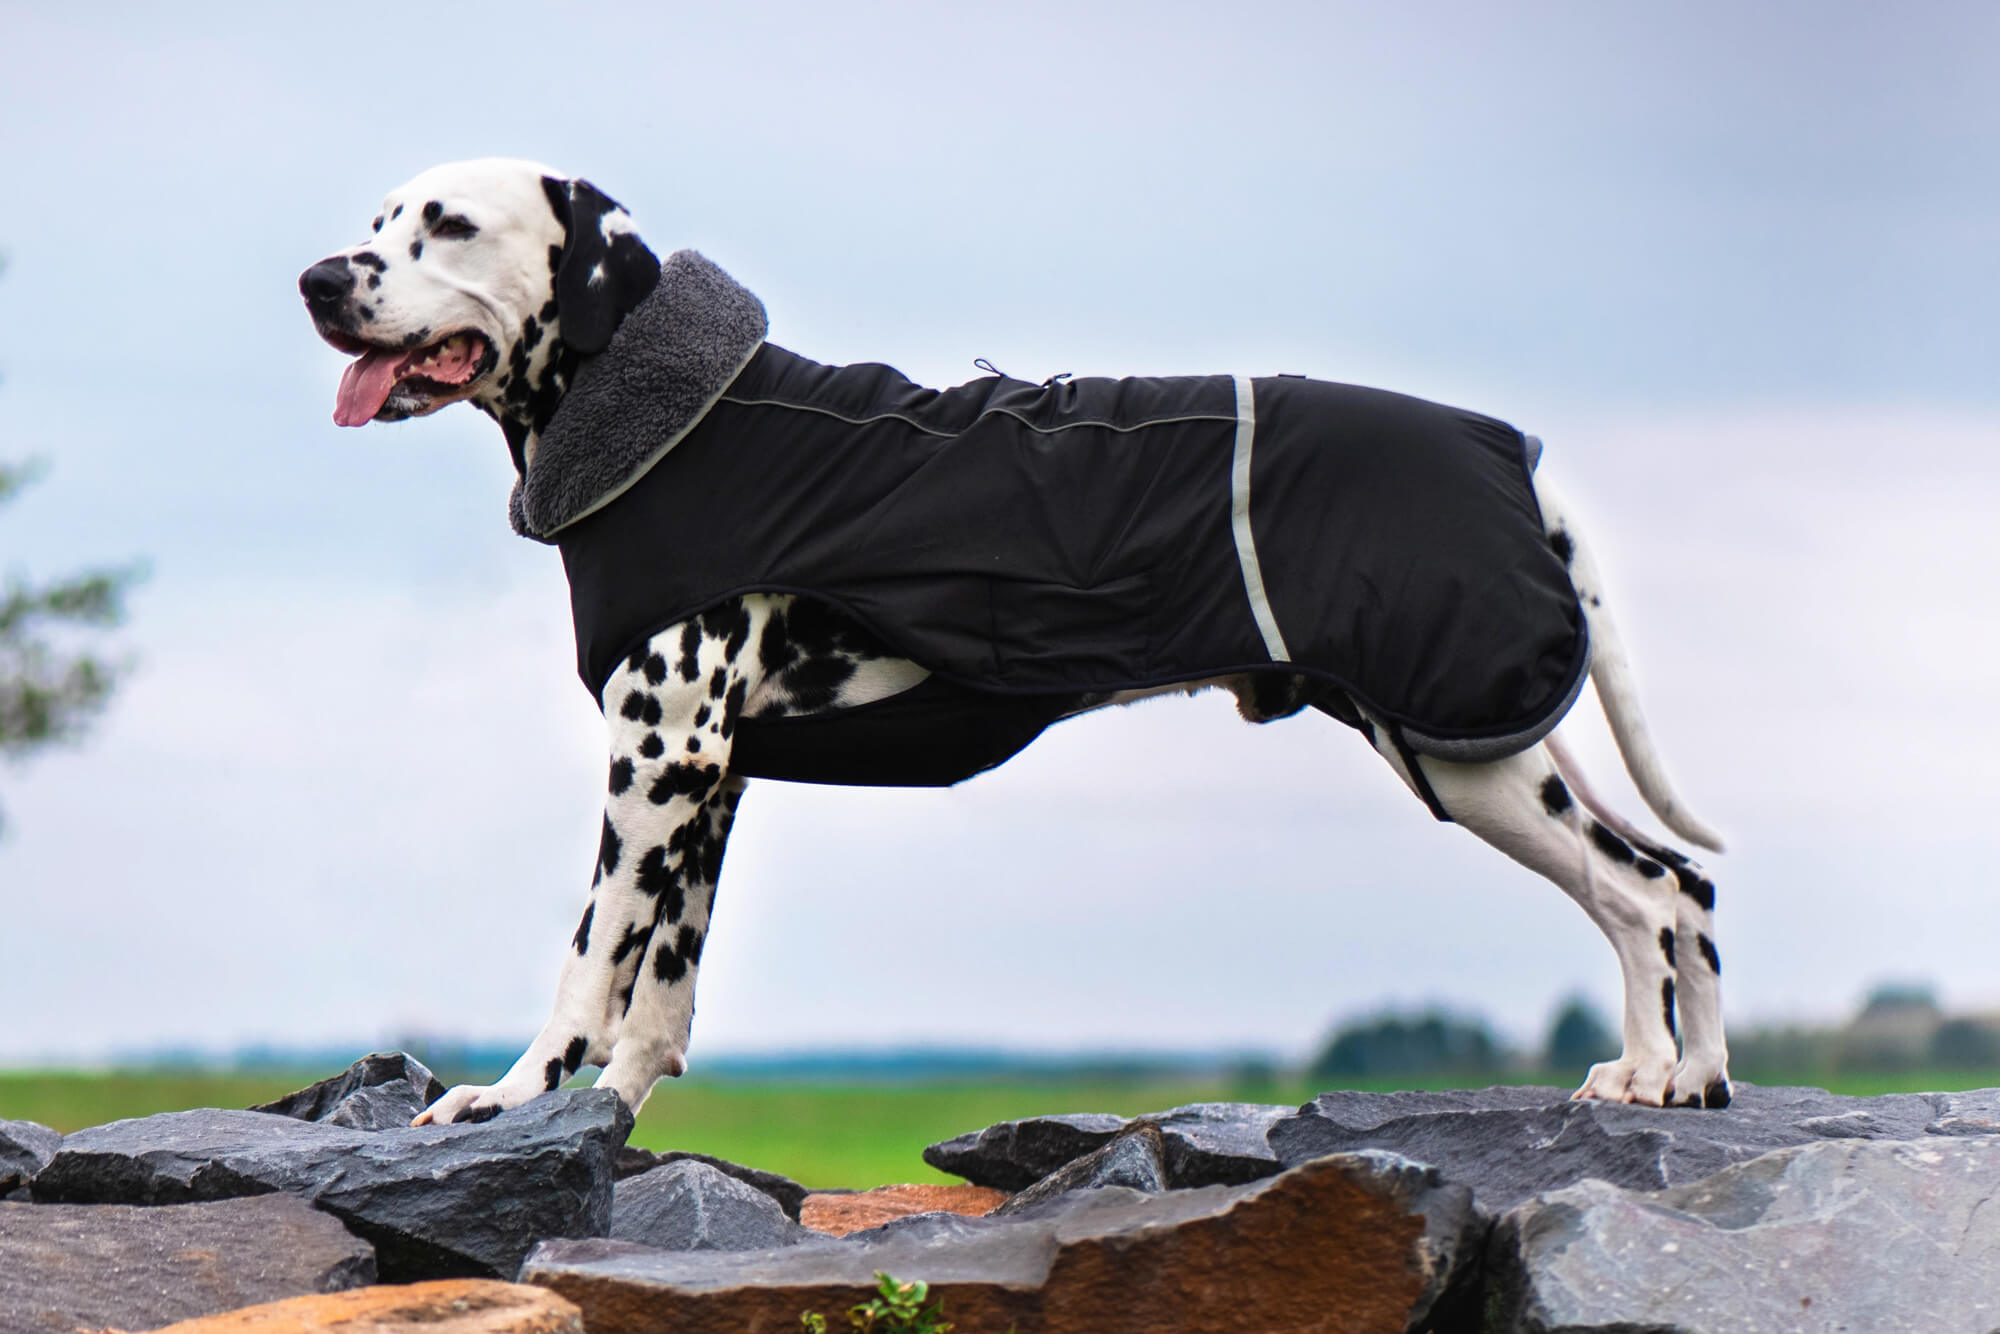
[1206, 1144]
[1508, 1144]
[1014, 1155]
[1136, 1158]
[690, 1206]
[437, 1201]
[789, 1194]
[1835, 1236]
[381, 1091]
[95, 1266]
[25, 1149]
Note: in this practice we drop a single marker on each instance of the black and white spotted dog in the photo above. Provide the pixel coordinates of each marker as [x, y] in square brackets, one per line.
[491, 281]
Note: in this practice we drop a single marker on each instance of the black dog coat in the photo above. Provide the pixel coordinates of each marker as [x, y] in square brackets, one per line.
[1035, 544]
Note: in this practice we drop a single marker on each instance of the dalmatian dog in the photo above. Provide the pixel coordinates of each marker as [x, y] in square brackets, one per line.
[488, 282]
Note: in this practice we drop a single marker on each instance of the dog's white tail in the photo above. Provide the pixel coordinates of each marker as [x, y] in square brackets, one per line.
[1611, 670]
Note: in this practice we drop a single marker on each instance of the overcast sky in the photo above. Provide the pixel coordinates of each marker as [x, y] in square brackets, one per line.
[1738, 265]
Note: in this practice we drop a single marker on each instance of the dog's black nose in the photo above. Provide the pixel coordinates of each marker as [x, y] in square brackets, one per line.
[327, 282]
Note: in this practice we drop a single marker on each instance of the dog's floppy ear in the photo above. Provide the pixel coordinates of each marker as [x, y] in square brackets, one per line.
[601, 274]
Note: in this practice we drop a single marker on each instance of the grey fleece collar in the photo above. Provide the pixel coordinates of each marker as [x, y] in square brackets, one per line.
[665, 367]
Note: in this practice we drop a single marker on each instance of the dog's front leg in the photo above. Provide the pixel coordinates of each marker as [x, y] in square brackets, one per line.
[625, 997]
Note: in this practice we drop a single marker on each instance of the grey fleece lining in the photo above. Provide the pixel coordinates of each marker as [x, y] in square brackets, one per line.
[666, 366]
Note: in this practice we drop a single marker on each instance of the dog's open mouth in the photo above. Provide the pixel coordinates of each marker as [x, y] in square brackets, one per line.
[393, 383]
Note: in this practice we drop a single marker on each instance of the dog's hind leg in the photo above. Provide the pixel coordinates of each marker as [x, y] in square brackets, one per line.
[1702, 1077]
[671, 710]
[1521, 806]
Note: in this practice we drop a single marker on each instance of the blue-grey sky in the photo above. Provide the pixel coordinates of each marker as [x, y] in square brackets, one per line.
[1738, 265]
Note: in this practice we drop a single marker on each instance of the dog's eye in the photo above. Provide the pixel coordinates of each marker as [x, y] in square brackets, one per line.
[454, 228]
[378, 223]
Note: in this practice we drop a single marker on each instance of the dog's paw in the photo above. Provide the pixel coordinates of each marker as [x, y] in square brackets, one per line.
[1627, 1080]
[468, 1104]
[1701, 1083]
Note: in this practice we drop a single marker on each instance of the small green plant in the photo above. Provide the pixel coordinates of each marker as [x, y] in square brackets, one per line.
[896, 1308]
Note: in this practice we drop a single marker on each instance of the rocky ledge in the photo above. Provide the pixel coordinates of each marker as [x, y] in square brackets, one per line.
[1497, 1210]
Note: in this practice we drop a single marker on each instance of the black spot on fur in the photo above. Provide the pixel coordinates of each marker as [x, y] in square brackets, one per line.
[1275, 695]
[608, 848]
[1716, 1095]
[1650, 869]
[547, 314]
[815, 679]
[652, 747]
[1708, 953]
[473, 1116]
[582, 937]
[683, 780]
[732, 707]
[531, 333]
[433, 211]
[771, 647]
[717, 621]
[574, 1053]
[739, 634]
[555, 262]
[1696, 886]
[1564, 547]
[689, 943]
[694, 745]
[702, 715]
[1612, 846]
[397, 214]
[368, 259]
[667, 965]
[634, 705]
[718, 682]
[1555, 795]
[417, 249]
[651, 713]
[552, 1075]
[374, 281]
[690, 663]
[376, 226]
[621, 777]
[656, 669]
[1667, 945]
[1667, 1007]
[635, 938]
[659, 881]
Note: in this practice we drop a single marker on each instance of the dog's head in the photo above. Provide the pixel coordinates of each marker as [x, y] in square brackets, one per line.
[483, 281]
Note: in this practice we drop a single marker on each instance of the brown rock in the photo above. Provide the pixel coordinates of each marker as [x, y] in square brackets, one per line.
[69, 1266]
[1353, 1243]
[838, 1215]
[443, 1306]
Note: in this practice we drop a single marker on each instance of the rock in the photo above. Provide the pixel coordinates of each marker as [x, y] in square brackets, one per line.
[25, 1149]
[1361, 1242]
[1135, 1159]
[1831, 1236]
[442, 1306]
[1014, 1155]
[1511, 1143]
[89, 1266]
[788, 1193]
[1206, 1143]
[838, 1214]
[383, 1091]
[437, 1201]
[690, 1206]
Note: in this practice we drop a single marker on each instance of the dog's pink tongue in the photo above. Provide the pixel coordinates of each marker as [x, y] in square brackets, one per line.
[365, 386]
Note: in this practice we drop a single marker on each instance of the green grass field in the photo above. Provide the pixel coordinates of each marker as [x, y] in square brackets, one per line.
[820, 1135]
